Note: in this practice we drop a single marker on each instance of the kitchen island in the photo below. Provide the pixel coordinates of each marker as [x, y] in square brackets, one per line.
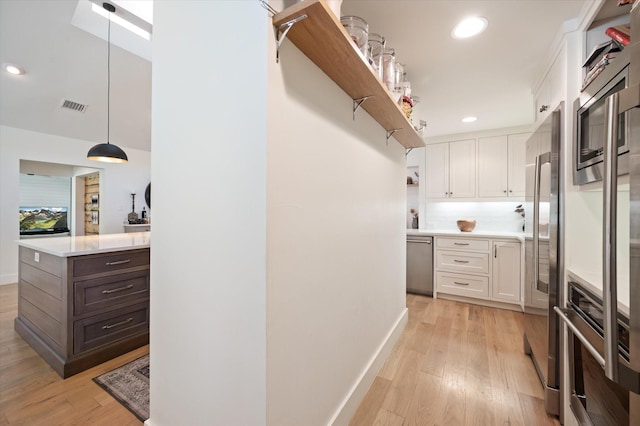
[84, 300]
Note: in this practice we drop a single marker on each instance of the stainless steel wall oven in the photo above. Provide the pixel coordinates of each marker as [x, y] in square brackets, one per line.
[596, 400]
[590, 125]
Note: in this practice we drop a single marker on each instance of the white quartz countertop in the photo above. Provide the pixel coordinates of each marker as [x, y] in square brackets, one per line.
[88, 244]
[473, 234]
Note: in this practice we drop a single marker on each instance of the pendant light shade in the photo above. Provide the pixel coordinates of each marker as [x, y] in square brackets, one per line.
[108, 152]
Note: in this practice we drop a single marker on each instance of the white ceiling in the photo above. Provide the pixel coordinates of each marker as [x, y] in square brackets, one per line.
[489, 76]
[65, 62]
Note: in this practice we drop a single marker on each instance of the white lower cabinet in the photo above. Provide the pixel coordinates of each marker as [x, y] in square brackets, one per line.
[505, 271]
[487, 269]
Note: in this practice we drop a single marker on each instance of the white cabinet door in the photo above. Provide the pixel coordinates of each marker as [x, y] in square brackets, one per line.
[462, 169]
[516, 148]
[553, 88]
[501, 166]
[437, 170]
[505, 282]
[492, 167]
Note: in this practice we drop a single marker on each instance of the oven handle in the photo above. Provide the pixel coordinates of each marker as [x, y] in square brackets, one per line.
[541, 159]
[609, 255]
[562, 313]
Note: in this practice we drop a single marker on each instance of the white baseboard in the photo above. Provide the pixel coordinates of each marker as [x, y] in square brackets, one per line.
[350, 404]
[8, 279]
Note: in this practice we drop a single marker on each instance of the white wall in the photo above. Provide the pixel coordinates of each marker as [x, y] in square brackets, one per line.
[208, 262]
[277, 310]
[336, 244]
[118, 180]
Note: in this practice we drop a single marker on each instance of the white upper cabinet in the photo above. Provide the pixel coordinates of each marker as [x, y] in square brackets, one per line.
[501, 165]
[516, 147]
[553, 87]
[492, 167]
[451, 169]
[437, 170]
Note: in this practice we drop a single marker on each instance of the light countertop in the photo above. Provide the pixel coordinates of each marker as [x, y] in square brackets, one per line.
[88, 244]
[473, 234]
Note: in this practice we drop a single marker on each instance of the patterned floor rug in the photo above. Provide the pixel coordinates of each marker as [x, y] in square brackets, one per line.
[129, 385]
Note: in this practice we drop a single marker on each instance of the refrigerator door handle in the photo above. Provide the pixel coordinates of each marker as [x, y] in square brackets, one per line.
[541, 159]
[609, 267]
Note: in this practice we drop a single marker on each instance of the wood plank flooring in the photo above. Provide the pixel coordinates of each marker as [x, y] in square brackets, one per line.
[31, 393]
[456, 364]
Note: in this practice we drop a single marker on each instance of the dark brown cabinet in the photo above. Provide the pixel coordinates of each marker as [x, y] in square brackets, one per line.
[80, 311]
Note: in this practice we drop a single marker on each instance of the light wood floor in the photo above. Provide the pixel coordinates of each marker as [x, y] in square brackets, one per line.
[455, 364]
[31, 393]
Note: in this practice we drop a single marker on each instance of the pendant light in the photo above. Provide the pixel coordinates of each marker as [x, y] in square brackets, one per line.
[108, 152]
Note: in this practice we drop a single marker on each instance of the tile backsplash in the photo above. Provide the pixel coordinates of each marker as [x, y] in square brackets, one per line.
[490, 216]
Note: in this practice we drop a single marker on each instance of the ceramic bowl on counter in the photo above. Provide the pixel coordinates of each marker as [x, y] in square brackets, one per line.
[466, 225]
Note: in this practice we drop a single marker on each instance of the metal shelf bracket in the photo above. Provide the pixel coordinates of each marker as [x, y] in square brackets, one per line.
[390, 133]
[357, 103]
[282, 30]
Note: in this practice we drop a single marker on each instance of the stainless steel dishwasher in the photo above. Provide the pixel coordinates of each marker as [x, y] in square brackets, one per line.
[420, 264]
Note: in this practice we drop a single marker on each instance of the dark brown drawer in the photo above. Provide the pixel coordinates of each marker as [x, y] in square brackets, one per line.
[96, 264]
[99, 293]
[100, 330]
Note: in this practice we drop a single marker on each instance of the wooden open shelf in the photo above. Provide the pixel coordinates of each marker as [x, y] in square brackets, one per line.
[322, 38]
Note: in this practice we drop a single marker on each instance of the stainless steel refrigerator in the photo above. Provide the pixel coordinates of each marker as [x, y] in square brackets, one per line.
[603, 318]
[543, 252]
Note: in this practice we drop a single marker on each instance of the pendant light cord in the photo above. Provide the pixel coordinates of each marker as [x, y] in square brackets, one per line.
[109, 81]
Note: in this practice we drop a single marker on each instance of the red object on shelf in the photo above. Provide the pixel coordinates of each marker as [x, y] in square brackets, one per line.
[619, 36]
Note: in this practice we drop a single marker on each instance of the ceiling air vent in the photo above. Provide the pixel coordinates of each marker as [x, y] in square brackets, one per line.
[75, 106]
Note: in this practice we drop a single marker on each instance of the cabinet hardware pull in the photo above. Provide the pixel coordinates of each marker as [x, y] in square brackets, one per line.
[495, 251]
[461, 244]
[460, 261]
[115, 290]
[108, 326]
[459, 283]
[505, 191]
[118, 262]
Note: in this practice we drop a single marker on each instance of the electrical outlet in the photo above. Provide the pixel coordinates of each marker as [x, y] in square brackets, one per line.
[36, 257]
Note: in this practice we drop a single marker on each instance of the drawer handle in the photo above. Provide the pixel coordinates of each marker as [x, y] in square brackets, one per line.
[115, 290]
[456, 282]
[118, 262]
[109, 326]
[460, 261]
[461, 244]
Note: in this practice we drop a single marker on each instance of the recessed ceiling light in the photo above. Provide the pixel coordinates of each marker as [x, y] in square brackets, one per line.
[13, 69]
[469, 119]
[469, 27]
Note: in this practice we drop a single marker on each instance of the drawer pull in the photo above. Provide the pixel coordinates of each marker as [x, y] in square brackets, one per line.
[460, 261]
[109, 326]
[115, 290]
[118, 262]
[461, 244]
[459, 283]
